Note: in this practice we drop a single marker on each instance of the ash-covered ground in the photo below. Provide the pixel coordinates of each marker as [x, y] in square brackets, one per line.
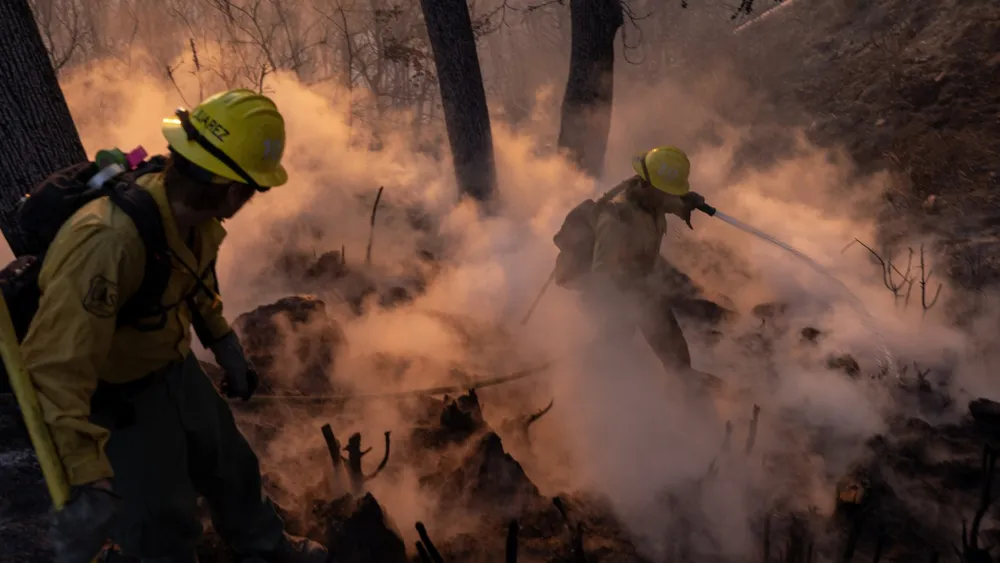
[912, 88]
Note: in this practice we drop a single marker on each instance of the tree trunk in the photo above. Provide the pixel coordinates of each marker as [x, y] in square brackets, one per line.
[39, 135]
[463, 96]
[586, 107]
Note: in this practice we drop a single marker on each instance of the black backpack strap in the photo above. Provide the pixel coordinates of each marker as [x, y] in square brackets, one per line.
[140, 206]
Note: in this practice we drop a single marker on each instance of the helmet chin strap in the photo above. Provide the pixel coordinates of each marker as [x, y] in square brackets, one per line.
[645, 170]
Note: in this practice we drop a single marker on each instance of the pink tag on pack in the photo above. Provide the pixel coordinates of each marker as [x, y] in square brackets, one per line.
[137, 155]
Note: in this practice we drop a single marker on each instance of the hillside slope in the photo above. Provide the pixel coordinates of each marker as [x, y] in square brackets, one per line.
[910, 86]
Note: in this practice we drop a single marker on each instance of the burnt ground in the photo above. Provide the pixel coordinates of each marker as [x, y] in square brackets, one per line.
[911, 87]
[914, 87]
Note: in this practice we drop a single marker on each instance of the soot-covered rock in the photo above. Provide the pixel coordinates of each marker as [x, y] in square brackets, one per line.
[773, 314]
[845, 363]
[360, 532]
[986, 414]
[703, 310]
[331, 266]
[490, 477]
[308, 273]
[401, 291]
[459, 419]
[811, 335]
[293, 344]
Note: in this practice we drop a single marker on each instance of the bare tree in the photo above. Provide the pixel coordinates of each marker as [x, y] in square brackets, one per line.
[62, 28]
[463, 97]
[586, 107]
[39, 133]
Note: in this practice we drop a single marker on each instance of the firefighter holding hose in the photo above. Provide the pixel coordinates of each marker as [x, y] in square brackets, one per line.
[139, 428]
[609, 247]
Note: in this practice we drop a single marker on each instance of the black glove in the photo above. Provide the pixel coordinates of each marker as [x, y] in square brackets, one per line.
[692, 201]
[79, 530]
[240, 376]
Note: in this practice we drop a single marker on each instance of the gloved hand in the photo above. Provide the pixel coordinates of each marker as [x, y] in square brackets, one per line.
[692, 201]
[240, 376]
[78, 531]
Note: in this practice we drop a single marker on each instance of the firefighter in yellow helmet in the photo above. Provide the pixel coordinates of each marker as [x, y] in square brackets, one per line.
[139, 427]
[620, 236]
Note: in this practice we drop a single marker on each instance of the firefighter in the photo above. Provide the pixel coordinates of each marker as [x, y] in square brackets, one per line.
[140, 429]
[628, 225]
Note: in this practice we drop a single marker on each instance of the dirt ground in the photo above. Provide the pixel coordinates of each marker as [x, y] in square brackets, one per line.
[911, 87]
[914, 87]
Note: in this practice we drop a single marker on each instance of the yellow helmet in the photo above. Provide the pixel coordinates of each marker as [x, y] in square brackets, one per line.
[666, 168]
[237, 134]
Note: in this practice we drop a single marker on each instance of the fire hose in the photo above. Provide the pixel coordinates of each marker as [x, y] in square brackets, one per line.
[478, 383]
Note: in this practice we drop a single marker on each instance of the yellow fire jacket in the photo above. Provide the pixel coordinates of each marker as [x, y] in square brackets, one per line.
[627, 237]
[95, 263]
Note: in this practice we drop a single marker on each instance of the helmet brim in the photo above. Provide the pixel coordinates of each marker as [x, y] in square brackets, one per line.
[671, 189]
[177, 139]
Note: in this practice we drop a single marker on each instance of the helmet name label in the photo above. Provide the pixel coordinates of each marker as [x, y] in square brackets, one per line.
[272, 149]
[211, 125]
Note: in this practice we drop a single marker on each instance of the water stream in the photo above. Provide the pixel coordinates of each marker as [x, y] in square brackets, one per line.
[887, 362]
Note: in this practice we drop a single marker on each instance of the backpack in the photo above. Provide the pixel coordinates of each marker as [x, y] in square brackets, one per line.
[576, 237]
[51, 203]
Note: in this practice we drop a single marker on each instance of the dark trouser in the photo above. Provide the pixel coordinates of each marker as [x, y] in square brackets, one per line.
[661, 330]
[663, 333]
[174, 438]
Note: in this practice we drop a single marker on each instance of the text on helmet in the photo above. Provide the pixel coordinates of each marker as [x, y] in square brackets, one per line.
[211, 125]
[668, 171]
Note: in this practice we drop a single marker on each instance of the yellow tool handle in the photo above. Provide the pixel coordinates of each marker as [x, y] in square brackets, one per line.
[24, 391]
[38, 431]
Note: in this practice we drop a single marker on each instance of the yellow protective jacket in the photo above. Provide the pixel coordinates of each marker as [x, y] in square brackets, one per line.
[95, 263]
[627, 237]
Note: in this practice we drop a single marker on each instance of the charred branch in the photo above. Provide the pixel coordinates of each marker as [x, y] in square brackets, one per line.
[512, 531]
[575, 531]
[527, 421]
[925, 276]
[428, 552]
[901, 283]
[971, 552]
[354, 456]
[534, 417]
[879, 545]
[752, 435]
[425, 557]
[890, 271]
[727, 440]
[852, 537]
[766, 548]
[371, 230]
[385, 460]
[333, 446]
[798, 541]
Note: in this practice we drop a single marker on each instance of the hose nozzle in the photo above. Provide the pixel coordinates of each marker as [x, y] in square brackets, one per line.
[706, 209]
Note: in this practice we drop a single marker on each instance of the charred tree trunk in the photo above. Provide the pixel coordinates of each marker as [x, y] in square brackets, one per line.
[463, 96]
[586, 106]
[39, 135]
